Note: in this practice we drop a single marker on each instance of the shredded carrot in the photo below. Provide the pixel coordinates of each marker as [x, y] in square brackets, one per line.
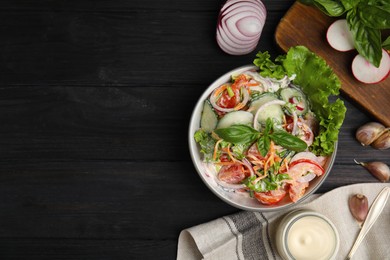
[225, 163]
[286, 164]
[219, 90]
[216, 149]
[239, 106]
[239, 81]
[260, 178]
[230, 154]
[252, 84]
[270, 161]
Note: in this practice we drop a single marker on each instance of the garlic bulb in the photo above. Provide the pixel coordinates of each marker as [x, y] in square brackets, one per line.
[383, 141]
[378, 169]
[368, 133]
[358, 205]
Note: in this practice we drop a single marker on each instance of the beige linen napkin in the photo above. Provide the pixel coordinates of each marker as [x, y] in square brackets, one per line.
[250, 235]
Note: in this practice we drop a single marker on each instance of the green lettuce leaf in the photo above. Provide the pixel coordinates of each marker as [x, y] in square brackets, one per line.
[318, 81]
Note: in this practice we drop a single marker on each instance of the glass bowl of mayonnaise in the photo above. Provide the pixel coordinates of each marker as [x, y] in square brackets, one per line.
[306, 234]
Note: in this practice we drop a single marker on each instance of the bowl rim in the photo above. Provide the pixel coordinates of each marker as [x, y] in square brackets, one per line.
[193, 148]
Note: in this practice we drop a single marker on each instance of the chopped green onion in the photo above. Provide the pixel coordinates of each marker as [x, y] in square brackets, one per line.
[230, 91]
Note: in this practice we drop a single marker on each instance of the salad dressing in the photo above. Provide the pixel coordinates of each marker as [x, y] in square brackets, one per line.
[311, 237]
[307, 235]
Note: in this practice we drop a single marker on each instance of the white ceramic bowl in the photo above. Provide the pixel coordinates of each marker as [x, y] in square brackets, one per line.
[239, 200]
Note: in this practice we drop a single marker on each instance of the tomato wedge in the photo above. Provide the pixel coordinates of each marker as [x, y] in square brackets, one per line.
[270, 197]
[297, 190]
[233, 174]
[227, 101]
[307, 165]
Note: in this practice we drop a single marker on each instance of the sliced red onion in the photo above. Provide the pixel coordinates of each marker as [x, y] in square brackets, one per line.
[240, 24]
[210, 171]
[266, 82]
[249, 166]
[307, 178]
[213, 101]
[270, 103]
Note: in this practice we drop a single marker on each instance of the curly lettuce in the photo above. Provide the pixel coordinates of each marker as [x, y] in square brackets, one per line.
[318, 81]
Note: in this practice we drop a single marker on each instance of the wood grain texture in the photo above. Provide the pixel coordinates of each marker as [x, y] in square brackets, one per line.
[306, 25]
[95, 102]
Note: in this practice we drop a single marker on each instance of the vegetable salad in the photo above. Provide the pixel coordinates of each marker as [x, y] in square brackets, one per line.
[268, 133]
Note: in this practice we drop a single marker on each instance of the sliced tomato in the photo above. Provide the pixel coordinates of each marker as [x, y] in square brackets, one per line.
[305, 133]
[224, 158]
[233, 174]
[226, 101]
[302, 166]
[297, 190]
[270, 197]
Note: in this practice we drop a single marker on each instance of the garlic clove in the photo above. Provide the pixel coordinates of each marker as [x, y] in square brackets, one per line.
[383, 141]
[358, 205]
[378, 169]
[368, 133]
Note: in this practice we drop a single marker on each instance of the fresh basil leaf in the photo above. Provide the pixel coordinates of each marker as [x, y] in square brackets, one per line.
[288, 141]
[367, 40]
[237, 134]
[375, 17]
[386, 44]
[349, 4]
[330, 7]
[381, 3]
[263, 145]
[268, 125]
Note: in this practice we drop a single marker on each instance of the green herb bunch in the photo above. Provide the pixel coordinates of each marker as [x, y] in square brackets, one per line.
[366, 19]
[237, 134]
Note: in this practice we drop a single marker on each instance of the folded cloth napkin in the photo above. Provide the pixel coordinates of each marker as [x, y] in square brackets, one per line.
[250, 235]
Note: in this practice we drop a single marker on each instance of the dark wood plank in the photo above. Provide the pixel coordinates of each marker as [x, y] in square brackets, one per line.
[93, 249]
[124, 6]
[116, 123]
[116, 200]
[103, 199]
[95, 101]
[116, 49]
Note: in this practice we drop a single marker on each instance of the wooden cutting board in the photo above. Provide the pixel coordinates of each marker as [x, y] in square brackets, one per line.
[306, 25]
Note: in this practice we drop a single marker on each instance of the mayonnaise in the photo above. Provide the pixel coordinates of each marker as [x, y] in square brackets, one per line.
[307, 235]
[311, 237]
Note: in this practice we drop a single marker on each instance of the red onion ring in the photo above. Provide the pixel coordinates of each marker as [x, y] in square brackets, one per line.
[213, 101]
[240, 23]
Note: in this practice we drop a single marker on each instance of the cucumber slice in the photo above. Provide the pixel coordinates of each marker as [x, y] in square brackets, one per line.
[273, 111]
[236, 118]
[295, 96]
[209, 118]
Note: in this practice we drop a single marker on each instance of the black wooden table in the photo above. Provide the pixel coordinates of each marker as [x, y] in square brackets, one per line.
[95, 101]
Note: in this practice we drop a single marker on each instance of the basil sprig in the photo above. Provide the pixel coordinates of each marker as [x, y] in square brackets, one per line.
[238, 134]
[365, 18]
[243, 134]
